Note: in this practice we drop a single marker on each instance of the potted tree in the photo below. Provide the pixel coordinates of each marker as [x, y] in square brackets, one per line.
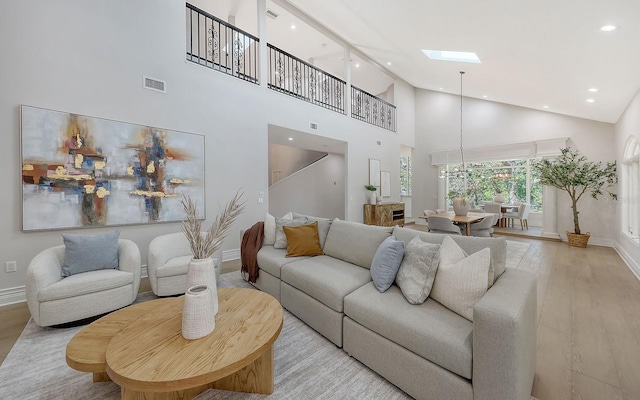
[575, 175]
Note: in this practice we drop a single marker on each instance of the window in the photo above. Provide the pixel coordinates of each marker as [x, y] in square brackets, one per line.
[630, 185]
[515, 180]
[405, 176]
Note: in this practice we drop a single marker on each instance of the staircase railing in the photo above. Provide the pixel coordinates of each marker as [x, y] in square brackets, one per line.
[215, 44]
[369, 108]
[290, 75]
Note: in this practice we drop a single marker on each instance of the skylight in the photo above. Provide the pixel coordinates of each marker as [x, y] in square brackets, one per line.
[445, 55]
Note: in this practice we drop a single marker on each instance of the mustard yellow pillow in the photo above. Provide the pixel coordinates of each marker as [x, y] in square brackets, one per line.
[303, 240]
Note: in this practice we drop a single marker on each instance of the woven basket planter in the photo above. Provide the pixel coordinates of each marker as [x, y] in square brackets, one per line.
[578, 240]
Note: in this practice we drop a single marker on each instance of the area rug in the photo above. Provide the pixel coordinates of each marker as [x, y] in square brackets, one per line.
[307, 366]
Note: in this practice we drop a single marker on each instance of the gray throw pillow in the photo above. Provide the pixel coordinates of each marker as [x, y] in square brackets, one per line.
[84, 253]
[386, 263]
[418, 270]
[281, 238]
[323, 225]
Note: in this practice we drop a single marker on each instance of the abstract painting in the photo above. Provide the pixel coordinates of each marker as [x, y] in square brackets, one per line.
[80, 171]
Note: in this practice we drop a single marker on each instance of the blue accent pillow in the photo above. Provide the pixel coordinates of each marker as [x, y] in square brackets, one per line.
[386, 263]
[84, 253]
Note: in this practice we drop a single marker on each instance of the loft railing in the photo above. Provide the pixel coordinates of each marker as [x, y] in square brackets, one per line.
[215, 44]
[369, 108]
[294, 77]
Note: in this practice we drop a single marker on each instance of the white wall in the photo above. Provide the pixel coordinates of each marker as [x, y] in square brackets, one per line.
[315, 190]
[627, 126]
[288, 159]
[89, 57]
[488, 124]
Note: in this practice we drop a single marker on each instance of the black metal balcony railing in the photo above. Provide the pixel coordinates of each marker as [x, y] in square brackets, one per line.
[213, 43]
[218, 45]
[369, 108]
[290, 75]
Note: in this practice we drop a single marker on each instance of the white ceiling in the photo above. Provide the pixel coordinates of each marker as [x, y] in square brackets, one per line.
[533, 52]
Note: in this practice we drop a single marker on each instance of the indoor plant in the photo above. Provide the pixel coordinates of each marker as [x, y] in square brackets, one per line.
[575, 175]
[201, 269]
[372, 193]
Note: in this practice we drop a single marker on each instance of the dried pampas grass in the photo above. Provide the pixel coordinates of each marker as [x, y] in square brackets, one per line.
[203, 246]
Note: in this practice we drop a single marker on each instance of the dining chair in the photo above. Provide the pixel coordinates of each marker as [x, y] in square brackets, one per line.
[443, 225]
[429, 212]
[494, 208]
[522, 215]
[483, 227]
[440, 210]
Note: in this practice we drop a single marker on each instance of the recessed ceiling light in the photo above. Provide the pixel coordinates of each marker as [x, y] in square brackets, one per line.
[290, 138]
[484, 96]
[608, 28]
[293, 27]
[545, 106]
[591, 101]
[593, 90]
[357, 65]
[388, 62]
[445, 55]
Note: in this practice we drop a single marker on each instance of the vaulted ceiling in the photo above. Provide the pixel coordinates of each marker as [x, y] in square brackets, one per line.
[534, 53]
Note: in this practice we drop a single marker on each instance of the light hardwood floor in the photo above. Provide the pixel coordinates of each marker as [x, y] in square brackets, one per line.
[588, 323]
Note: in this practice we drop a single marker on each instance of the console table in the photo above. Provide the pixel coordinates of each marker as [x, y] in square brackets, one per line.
[384, 214]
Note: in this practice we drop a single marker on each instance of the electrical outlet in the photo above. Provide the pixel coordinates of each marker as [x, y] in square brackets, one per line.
[11, 266]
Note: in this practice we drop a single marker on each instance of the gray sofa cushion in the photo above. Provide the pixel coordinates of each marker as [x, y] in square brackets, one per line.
[354, 242]
[271, 259]
[326, 279]
[469, 244]
[429, 329]
[418, 270]
[281, 238]
[323, 225]
[84, 253]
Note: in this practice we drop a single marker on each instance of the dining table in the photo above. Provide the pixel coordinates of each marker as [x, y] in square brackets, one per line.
[466, 220]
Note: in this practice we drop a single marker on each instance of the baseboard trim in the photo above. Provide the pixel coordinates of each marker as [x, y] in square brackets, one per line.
[633, 266]
[12, 295]
[229, 255]
[19, 294]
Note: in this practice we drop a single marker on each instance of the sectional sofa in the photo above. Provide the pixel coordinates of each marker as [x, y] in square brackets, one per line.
[427, 350]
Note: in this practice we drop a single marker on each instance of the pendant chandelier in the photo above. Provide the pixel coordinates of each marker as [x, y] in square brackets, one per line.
[502, 175]
[463, 171]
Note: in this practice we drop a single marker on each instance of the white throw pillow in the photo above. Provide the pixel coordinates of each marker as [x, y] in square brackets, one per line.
[418, 270]
[270, 228]
[461, 280]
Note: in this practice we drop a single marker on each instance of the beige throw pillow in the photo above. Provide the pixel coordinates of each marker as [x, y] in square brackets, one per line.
[461, 280]
[418, 270]
[270, 228]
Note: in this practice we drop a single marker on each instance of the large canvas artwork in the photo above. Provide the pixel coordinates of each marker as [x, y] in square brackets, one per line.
[80, 171]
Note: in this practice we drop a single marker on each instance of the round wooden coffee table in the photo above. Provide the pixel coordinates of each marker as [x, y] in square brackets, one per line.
[144, 352]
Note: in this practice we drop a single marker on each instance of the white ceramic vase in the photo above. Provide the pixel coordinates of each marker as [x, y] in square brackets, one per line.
[202, 272]
[460, 206]
[198, 317]
[498, 198]
[372, 197]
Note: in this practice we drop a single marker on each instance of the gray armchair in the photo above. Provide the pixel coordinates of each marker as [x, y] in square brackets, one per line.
[443, 225]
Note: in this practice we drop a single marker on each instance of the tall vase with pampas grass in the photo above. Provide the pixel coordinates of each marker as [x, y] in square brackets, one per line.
[201, 269]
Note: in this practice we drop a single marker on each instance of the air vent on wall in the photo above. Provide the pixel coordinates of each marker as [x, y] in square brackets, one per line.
[271, 14]
[313, 125]
[154, 84]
